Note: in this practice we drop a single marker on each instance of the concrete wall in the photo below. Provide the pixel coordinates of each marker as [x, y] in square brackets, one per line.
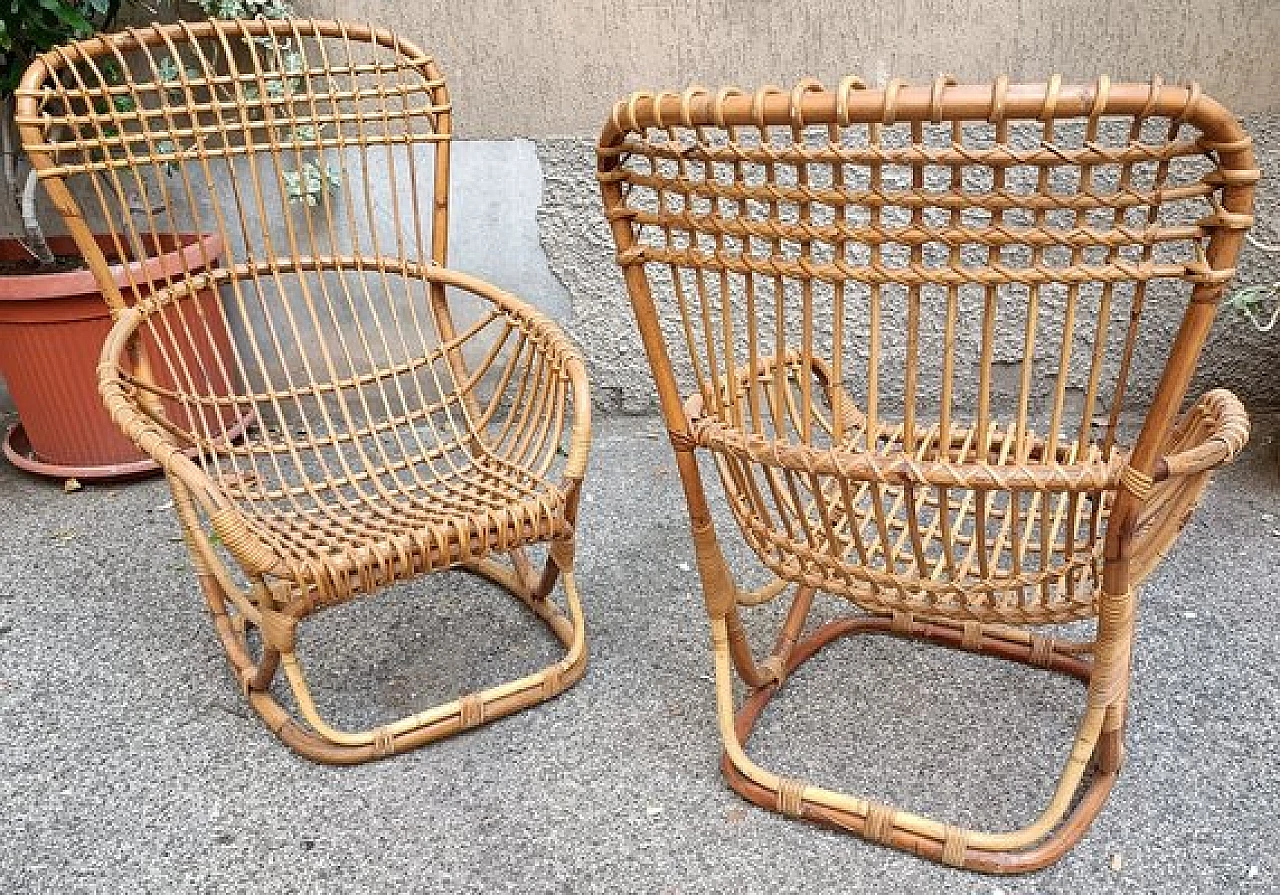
[551, 68]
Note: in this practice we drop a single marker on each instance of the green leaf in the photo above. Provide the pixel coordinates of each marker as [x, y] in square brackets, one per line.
[30, 27]
[167, 70]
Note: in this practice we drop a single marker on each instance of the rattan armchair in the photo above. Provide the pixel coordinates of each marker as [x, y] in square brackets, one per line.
[905, 326]
[335, 409]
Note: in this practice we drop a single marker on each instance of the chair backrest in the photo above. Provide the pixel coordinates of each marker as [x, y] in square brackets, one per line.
[959, 257]
[900, 314]
[240, 128]
[303, 166]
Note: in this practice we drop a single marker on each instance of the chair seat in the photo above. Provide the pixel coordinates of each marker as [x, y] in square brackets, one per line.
[1001, 525]
[867, 525]
[354, 539]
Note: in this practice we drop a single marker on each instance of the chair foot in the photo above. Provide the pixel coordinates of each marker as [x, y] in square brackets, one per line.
[311, 737]
[1021, 852]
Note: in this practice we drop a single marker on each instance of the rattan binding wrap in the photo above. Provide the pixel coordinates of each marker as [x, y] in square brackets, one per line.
[903, 324]
[404, 418]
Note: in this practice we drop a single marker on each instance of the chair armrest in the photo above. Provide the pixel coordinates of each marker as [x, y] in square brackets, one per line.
[580, 435]
[548, 340]
[1216, 428]
[139, 427]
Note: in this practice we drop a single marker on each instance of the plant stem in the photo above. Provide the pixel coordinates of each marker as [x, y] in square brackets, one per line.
[24, 200]
[7, 149]
[35, 241]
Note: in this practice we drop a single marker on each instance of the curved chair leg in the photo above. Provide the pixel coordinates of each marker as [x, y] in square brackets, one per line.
[1031, 848]
[314, 738]
[773, 668]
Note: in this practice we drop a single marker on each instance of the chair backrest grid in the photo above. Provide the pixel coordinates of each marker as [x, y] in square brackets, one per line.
[215, 127]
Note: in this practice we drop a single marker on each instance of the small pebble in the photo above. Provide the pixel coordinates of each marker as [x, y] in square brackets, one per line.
[1117, 862]
[1189, 615]
[683, 567]
[1254, 870]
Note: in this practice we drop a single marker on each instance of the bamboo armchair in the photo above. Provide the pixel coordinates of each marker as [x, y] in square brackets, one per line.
[903, 324]
[403, 418]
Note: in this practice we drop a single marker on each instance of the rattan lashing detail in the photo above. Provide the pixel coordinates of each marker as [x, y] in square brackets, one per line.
[1041, 651]
[1137, 483]
[384, 741]
[791, 797]
[774, 667]
[900, 622]
[879, 823]
[471, 711]
[229, 526]
[953, 847]
[280, 631]
[803, 263]
[398, 417]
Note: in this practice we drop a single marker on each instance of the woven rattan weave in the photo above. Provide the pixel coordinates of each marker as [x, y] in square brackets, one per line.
[904, 325]
[402, 418]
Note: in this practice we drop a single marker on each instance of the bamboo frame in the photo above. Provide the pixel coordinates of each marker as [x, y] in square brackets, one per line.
[407, 418]
[816, 256]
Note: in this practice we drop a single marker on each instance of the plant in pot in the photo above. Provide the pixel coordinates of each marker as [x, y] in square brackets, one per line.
[53, 317]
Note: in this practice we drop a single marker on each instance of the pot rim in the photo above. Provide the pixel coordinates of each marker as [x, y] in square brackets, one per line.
[190, 256]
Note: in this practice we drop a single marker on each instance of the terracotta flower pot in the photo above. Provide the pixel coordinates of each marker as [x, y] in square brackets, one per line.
[52, 327]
